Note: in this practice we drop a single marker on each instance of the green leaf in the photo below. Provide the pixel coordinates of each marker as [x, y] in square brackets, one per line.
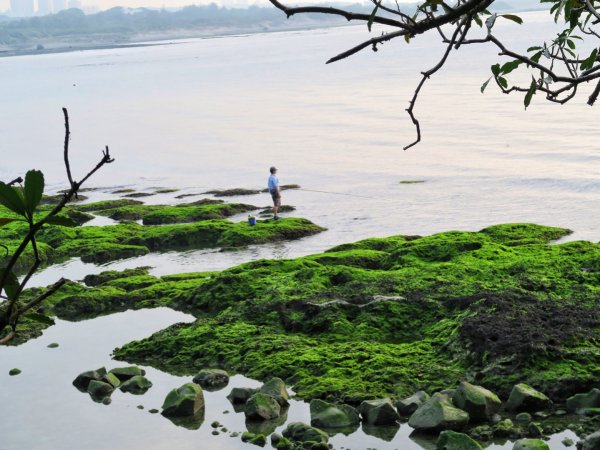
[12, 198]
[33, 190]
[588, 63]
[509, 67]
[60, 220]
[477, 20]
[532, 49]
[11, 285]
[530, 92]
[41, 318]
[7, 220]
[571, 44]
[512, 17]
[536, 58]
[484, 85]
[372, 16]
[496, 69]
[502, 81]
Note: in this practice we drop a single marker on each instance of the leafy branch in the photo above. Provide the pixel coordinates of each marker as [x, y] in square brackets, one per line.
[22, 200]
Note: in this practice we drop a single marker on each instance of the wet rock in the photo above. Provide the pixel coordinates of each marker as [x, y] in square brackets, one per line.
[153, 411]
[300, 432]
[481, 432]
[329, 415]
[525, 398]
[591, 442]
[504, 428]
[241, 395]
[137, 385]
[579, 403]
[480, 403]
[534, 430]
[409, 405]
[262, 407]
[437, 414]
[378, 412]
[125, 373]
[256, 439]
[82, 380]
[99, 389]
[530, 444]
[186, 400]
[275, 387]
[13, 372]
[523, 418]
[111, 379]
[212, 378]
[450, 440]
[53, 345]
[567, 442]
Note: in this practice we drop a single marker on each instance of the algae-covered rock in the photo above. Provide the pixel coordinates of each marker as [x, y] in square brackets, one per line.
[378, 412]
[530, 444]
[99, 389]
[275, 387]
[14, 372]
[241, 395]
[82, 380]
[212, 378]
[523, 418]
[590, 442]
[525, 398]
[255, 439]
[503, 429]
[111, 379]
[186, 400]
[437, 414]
[480, 403]
[300, 432]
[126, 373]
[579, 403]
[262, 407]
[409, 405]
[329, 415]
[136, 385]
[451, 440]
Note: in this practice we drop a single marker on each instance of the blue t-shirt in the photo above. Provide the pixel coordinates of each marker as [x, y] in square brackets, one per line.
[273, 183]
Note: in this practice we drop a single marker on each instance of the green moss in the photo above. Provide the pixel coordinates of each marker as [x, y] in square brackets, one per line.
[108, 204]
[183, 214]
[385, 317]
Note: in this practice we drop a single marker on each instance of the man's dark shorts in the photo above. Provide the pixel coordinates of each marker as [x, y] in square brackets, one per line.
[276, 196]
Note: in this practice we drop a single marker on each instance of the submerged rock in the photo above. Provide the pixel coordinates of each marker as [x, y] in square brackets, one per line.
[525, 398]
[480, 403]
[437, 414]
[409, 405]
[300, 432]
[378, 412]
[530, 444]
[451, 440]
[186, 400]
[329, 415]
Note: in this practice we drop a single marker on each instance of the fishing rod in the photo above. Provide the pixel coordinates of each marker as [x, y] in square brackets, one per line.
[336, 193]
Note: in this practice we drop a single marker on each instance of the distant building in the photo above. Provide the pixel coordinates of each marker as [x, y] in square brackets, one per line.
[22, 8]
[44, 7]
[59, 5]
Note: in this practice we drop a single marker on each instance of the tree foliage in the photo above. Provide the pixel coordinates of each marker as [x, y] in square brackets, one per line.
[22, 198]
[556, 67]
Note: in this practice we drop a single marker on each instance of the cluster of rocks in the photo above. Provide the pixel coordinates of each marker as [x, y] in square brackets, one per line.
[101, 384]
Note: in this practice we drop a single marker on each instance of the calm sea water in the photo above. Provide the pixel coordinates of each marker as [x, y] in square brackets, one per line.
[216, 113]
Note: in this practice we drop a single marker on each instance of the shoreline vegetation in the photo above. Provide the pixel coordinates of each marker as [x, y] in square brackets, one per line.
[381, 318]
[72, 30]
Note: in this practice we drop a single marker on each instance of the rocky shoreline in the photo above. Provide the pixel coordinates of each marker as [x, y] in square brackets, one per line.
[469, 317]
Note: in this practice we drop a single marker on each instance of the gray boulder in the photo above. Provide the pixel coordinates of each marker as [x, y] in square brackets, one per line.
[409, 405]
[438, 413]
[579, 403]
[186, 400]
[99, 389]
[480, 403]
[275, 387]
[451, 440]
[378, 412]
[591, 442]
[212, 378]
[125, 373]
[530, 444]
[82, 380]
[525, 398]
[241, 395]
[329, 415]
[300, 432]
[262, 407]
[136, 385]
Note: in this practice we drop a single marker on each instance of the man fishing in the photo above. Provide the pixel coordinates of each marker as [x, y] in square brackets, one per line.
[275, 191]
